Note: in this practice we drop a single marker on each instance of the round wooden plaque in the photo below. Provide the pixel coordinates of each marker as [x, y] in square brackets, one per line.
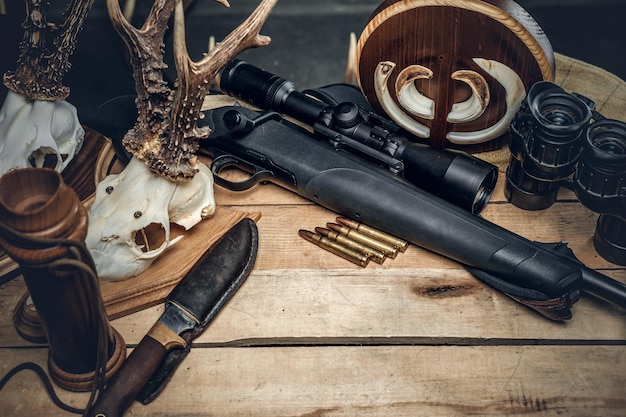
[452, 72]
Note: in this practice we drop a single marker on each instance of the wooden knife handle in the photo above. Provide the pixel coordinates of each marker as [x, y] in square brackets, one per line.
[121, 391]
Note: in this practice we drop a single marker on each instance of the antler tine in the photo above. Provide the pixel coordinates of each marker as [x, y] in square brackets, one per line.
[43, 62]
[145, 44]
[154, 95]
[177, 159]
[245, 36]
[166, 132]
[129, 9]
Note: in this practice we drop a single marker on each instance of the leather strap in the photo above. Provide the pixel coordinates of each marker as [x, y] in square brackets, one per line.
[557, 309]
[76, 249]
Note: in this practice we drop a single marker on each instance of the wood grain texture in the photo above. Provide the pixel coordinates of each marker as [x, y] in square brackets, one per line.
[296, 336]
[399, 381]
[153, 285]
[446, 36]
[310, 334]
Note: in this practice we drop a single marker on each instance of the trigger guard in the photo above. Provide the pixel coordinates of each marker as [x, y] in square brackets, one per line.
[258, 174]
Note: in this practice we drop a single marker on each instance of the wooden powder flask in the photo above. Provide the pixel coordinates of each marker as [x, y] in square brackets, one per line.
[43, 225]
[452, 72]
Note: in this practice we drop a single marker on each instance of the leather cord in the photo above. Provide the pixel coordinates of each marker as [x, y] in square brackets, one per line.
[46, 381]
[59, 267]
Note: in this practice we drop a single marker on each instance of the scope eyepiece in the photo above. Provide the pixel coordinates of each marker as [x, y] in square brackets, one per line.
[255, 86]
[268, 91]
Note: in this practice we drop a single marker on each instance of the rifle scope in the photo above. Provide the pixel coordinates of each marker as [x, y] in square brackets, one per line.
[458, 177]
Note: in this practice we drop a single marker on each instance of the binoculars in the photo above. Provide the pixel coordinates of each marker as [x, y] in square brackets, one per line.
[558, 139]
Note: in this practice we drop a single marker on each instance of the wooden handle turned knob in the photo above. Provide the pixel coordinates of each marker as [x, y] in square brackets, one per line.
[44, 226]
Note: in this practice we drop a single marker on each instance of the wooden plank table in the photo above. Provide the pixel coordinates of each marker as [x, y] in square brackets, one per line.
[310, 334]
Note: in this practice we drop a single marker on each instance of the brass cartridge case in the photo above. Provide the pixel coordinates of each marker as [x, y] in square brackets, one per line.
[390, 250]
[374, 254]
[401, 244]
[334, 247]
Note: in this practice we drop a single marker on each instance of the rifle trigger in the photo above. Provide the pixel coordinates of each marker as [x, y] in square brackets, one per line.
[257, 174]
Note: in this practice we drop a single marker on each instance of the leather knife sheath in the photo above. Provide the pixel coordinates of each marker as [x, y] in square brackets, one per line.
[189, 308]
[205, 302]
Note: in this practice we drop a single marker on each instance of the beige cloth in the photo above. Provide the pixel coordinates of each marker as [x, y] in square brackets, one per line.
[597, 84]
[605, 88]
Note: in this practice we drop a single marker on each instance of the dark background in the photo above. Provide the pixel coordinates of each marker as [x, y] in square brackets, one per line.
[309, 38]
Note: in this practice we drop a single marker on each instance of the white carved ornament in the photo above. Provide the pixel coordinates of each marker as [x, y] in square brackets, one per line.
[413, 103]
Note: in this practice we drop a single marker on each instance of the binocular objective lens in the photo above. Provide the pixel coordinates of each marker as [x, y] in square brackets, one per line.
[610, 144]
[608, 137]
[558, 117]
[561, 112]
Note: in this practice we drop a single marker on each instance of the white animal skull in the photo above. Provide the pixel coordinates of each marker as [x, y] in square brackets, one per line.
[38, 133]
[164, 181]
[133, 210]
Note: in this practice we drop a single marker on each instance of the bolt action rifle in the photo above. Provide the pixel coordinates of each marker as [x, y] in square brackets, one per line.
[544, 276]
[340, 114]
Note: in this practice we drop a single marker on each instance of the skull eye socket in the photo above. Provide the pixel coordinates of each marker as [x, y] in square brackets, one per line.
[44, 157]
[151, 237]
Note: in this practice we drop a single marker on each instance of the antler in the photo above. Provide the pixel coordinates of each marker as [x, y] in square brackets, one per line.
[166, 132]
[146, 55]
[43, 62]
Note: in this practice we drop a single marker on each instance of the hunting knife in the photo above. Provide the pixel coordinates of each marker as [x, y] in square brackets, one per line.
[191, 305]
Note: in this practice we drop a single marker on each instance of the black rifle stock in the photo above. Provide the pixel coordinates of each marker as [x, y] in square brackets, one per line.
[340, 114]
[546, 277]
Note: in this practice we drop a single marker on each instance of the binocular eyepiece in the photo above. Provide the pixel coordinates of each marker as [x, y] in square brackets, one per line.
[559, 140]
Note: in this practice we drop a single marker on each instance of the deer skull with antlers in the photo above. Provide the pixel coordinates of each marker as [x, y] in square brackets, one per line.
[37, 126]
[129, 221]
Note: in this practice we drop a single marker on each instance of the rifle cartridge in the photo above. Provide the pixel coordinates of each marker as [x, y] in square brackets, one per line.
[401, 244]
[334, 247]
[389, 250]
[374, 254]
